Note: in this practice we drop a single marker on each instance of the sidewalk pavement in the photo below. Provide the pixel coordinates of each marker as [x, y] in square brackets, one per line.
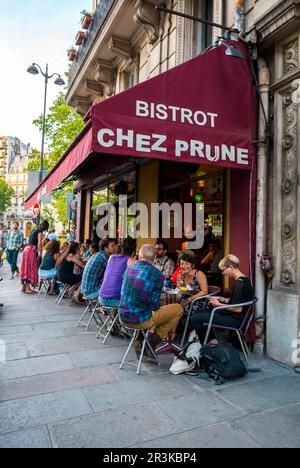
[60, 387]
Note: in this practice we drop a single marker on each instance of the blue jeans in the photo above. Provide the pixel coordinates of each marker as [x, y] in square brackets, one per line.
[12, 258]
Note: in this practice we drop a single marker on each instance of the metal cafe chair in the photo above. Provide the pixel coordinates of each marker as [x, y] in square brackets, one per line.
[111, 321]
[63, 291]
[91, 308]
[212, 291]
[44, 285]
[240, 330]
[134, 333]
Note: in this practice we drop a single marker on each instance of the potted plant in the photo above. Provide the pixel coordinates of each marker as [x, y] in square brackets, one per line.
[80, 37]
[72, 52]
[86, 19]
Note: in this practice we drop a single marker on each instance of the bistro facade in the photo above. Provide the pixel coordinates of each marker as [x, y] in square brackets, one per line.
[188, 133]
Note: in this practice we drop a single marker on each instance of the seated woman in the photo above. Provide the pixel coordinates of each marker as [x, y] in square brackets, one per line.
[110, 291]
[65, 266]
[47, 268]
[191, 280]
[178, 271]
[233, 317]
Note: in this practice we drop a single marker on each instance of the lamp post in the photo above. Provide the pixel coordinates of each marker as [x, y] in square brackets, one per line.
[35, 69]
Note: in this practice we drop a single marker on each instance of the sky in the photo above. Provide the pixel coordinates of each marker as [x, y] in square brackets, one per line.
[37, 31]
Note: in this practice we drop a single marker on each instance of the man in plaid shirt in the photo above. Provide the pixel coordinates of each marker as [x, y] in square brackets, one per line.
[94, 270]
[14, 243]
[140, 299]
[165, 264]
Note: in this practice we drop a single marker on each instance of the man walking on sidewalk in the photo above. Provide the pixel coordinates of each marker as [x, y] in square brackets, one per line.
[15, 241]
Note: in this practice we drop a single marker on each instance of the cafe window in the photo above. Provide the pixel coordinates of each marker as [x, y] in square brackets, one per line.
[202, 34]
[125, 185]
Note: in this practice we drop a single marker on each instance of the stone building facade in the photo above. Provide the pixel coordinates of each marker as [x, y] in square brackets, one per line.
[129, 42]
[13, 169]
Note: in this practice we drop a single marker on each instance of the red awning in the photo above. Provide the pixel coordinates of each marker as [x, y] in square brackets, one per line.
[77, 153]
[202, 111]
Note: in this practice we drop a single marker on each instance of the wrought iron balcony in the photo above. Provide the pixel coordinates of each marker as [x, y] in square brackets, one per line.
[98, 19]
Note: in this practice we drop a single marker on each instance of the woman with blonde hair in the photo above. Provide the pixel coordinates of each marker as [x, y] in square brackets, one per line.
[242, 292]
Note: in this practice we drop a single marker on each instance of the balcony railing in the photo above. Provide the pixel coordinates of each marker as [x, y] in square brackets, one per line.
[98, 19]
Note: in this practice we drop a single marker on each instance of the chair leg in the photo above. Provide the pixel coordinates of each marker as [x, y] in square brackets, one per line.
[47, 284]
[142, 353]
[110, 328]
[83, 315]
[186, 327]
[41, 285]
[62, 294]
[134, 337]
[243, 346]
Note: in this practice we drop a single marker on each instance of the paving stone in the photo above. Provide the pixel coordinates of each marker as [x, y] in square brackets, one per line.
[219, 436]
[43, 335]
[71, 344]
[15, 352]
[136, 390]
[35, 366]
[264, 394]
[63, 325]
[278, 428]
[102, 355]
[41, 410]
[10, 322]
[15, 330]
[118, 428]
[30, 438]
[57, 381]
[64, 317]
[198, 410]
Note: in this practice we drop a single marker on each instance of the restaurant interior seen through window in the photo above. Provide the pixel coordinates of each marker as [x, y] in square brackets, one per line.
[109, 194]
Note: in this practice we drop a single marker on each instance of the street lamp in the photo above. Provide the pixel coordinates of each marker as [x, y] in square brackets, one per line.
[35, 69]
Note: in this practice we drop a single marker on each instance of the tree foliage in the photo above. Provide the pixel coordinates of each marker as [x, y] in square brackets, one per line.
[63, 124]
[6, 193]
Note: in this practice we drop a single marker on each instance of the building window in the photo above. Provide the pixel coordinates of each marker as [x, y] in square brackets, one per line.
[128, 78]
[202, 35]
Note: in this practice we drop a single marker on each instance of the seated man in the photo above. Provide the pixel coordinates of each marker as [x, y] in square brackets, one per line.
[140, 300]
[94, 270]
[165, 264]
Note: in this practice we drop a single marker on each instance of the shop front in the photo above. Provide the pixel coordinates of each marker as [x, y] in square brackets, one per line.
[186, 137]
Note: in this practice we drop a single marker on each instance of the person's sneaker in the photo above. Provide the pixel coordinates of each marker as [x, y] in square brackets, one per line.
[12, 276]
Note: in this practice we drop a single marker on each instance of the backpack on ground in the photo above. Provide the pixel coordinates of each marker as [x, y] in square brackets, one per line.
[223, 362]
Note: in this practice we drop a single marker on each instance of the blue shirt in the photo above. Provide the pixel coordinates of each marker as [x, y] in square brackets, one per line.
[93, 273]
[141, 291]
